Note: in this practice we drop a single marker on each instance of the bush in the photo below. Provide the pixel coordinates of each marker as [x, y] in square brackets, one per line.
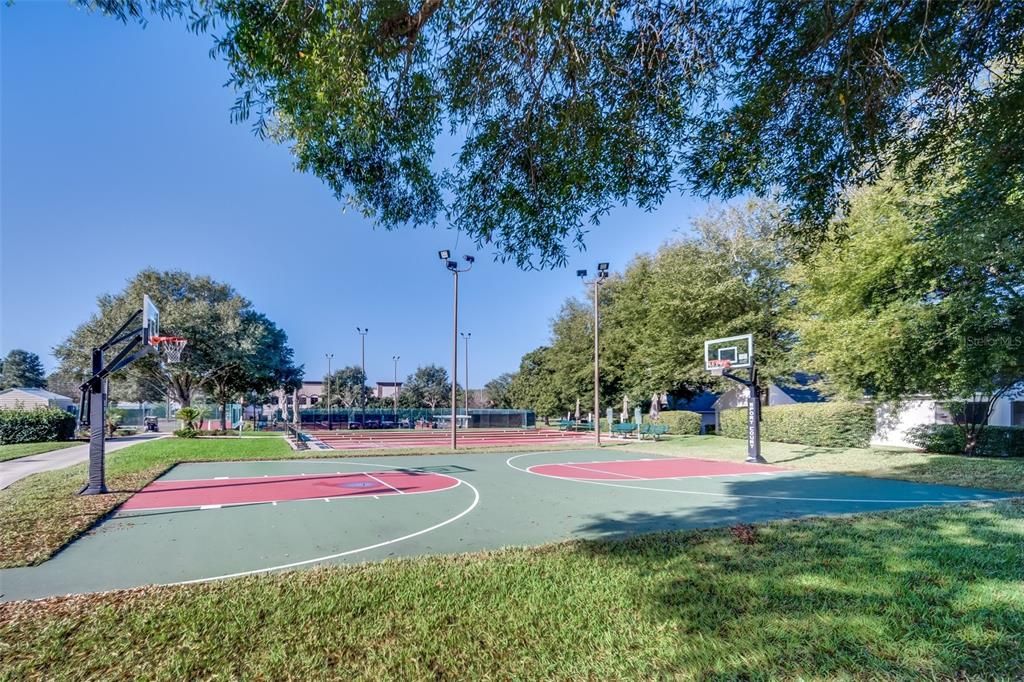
[950, 439]
[680, 421]
[35, 426]
[838, 424]
[191, 416]
[187, 433]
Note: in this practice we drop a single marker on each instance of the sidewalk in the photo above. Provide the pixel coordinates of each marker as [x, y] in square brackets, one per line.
[16, 469]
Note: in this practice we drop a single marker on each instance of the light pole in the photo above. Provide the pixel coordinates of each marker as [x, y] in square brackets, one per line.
[394, 388]
[453, 266]
[362, 389]
[329, 356]
[465, 337]
[602, 274]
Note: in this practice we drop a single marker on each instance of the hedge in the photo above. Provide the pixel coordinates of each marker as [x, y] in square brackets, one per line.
[35, 426]
[949, 439]
[680, 421]
[834, 424]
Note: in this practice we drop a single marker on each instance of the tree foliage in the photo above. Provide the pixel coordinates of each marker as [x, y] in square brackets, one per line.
[428, 385]
[727, 278]
[232, 348]
[564, 110]
[347, 387]
[498, 391]
[903, 305]
[22, 369]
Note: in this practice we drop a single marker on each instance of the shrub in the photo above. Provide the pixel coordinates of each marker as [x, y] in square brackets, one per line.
[949, 439]
[191, 416]
[836, 424]
[680, 421]
[187, 433]
[946, 439]
[35, 426]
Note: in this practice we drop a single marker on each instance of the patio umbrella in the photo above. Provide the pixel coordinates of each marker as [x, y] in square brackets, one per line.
[625, 408]
[655, 406]
[577, 409]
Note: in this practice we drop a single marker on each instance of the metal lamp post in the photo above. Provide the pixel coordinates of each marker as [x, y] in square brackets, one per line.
[465, 337]
[329, 356]
[394, 388]
[453, 266]
[602, 274]
[362, 389]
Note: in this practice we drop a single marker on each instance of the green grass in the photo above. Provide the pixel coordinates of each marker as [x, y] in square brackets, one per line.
[16, 450]
[42, 513]
[925, 594]
[976, 472]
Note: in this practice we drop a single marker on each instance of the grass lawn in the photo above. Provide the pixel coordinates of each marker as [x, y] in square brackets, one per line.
[17, 450]
[976, 472]
[42, 513]
[925, 594]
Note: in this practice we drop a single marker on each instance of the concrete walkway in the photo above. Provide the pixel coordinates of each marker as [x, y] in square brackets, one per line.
[16, 469]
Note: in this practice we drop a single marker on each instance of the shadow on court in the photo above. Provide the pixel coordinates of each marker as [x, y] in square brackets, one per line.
[905, 595]
[754, 500]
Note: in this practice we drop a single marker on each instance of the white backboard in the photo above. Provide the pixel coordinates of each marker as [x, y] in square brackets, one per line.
[738, 351]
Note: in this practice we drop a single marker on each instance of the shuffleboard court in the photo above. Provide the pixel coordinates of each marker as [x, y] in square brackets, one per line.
[220, 520]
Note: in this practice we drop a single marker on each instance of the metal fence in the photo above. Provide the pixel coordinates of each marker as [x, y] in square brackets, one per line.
[476, 418]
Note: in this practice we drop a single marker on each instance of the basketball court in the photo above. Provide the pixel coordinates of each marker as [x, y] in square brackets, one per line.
[209, 521]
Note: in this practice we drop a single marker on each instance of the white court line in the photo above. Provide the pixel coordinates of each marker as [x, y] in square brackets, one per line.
[739, 495]
[596, 471]
[530, 469]
[400, 492]
[328, 557]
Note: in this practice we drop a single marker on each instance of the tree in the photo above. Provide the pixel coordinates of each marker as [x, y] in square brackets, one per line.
[22, 369]
[348, 386]
[428, 385]
[230, 345]
[533, 388]
[903, 306]
[564, 110]
[498, 391]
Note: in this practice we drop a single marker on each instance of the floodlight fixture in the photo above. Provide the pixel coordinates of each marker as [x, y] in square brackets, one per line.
[452, 265]
[470, 259]
[601, 267]
[581, 273]
[603, 274]
[444, 255]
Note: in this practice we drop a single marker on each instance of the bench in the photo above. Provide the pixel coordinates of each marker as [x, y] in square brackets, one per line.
[623, 429]
[655, 431]
[564, 424]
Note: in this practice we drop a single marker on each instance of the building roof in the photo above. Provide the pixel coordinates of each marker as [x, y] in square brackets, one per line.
[39, 393]
[801, 388]
[389, 383]
[702, 402]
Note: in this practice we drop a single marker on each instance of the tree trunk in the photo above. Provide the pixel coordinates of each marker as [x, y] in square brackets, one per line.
[223, 416]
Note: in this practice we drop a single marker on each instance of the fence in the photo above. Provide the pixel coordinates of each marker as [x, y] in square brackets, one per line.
[476, 418]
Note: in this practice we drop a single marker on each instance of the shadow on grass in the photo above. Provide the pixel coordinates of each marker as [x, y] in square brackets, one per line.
[935, 592]
[809, 451]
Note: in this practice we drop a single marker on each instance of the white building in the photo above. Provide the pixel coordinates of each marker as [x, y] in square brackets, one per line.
[32, 398]
[893, 423]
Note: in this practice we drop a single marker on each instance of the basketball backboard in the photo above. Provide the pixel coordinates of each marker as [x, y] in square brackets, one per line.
[150, 320]
[731, 352]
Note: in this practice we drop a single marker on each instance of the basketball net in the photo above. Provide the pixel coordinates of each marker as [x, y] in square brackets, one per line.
[169, 347]
[718, 367]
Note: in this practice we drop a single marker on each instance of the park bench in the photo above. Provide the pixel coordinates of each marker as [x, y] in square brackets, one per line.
[564, 424]
[623, 429]
[582, 426]
[655, 431]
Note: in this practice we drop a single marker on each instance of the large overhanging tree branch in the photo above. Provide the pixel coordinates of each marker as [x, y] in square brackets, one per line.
[564, 110]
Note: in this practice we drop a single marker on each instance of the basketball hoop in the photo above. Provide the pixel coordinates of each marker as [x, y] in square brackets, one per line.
[718, 367]
[169, 347]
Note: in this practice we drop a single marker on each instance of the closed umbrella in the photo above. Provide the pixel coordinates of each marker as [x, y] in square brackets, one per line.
[625, 408]
[655, 406]
[577, 409]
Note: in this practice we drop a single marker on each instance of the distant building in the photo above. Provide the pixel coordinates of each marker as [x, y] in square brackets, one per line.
[32, 398]
[388, 389]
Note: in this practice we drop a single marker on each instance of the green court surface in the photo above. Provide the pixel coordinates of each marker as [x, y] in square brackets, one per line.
[479, 502]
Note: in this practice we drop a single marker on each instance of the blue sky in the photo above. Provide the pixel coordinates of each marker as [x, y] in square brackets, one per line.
[117, 153]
